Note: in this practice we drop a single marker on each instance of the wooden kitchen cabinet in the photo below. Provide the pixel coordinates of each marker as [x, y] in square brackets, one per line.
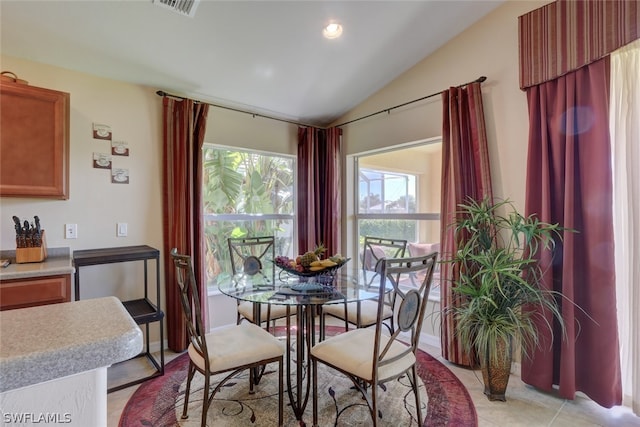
[34, 142]
[30, 292]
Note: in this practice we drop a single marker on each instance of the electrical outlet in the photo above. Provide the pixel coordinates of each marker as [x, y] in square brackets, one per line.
[121, 229]
[71, 231]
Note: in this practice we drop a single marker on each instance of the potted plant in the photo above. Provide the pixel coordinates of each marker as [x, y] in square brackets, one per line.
[496, 277]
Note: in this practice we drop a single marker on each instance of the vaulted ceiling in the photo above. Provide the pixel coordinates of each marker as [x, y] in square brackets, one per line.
[267, 57]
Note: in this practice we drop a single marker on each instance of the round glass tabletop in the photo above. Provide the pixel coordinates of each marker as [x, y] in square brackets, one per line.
[325, 289]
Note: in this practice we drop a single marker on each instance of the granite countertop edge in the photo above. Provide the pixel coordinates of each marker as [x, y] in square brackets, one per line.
[122, 342]
[58, 261]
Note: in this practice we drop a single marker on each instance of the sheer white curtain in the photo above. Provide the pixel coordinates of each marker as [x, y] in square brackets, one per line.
[625, 145]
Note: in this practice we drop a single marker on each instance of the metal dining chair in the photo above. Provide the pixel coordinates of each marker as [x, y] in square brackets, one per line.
[371, 357]
[230, 349]
[363, 314]
[419, 249]
[255, 256]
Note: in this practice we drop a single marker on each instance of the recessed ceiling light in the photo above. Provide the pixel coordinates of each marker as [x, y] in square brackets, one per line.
[332, 31]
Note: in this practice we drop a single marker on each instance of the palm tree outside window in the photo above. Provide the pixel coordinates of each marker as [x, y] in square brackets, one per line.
[245, 193]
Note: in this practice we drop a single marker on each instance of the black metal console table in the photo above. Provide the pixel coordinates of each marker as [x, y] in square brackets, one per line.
[143, 310]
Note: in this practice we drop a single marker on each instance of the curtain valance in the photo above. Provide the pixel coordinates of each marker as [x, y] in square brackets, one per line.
[568, 34]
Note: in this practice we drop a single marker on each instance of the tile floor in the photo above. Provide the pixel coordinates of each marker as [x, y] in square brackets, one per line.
[524, 406]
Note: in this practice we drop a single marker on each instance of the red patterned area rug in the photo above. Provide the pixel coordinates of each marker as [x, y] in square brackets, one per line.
[158, 402]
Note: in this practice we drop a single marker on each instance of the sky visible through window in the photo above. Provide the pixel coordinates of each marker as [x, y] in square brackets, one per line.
[394, 189]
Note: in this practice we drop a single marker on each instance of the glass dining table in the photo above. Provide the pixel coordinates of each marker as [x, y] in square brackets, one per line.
[304, 297]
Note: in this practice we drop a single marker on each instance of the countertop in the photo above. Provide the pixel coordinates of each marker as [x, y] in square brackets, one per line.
[58, 261]
[44, 343]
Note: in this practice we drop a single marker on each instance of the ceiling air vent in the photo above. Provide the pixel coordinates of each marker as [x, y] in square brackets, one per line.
[183, 7]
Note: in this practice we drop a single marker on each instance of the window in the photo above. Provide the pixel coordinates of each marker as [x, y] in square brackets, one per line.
[245, 193]
[386, 192]
[398, 196]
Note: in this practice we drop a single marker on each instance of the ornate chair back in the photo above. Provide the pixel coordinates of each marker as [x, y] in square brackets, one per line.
[254, 348]
[373, 357]
[410, 305]
[253, 255]
[190, 301]
[378, 248]
[363, 313]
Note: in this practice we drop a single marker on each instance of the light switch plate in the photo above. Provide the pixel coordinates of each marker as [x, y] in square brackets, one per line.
[71, 231]
[121, 229]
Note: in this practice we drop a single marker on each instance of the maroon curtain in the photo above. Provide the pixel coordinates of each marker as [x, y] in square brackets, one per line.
[319, 188]
[565, 35]
[465, 173]
[569, 182]
[184, 124]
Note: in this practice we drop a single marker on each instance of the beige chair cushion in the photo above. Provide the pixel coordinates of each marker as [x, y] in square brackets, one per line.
[368, 312]
[353, 352]
[237, 345]
[245, 308]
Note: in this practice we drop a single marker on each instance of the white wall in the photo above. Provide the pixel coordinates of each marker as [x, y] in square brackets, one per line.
[135, 114]
[94, 203]
[225, 127]
[489, 48]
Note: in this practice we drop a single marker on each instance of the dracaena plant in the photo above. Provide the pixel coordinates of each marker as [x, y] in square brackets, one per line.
[498, 276]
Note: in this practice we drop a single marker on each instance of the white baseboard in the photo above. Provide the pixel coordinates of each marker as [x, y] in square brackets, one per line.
[430, 340]
[515, 368]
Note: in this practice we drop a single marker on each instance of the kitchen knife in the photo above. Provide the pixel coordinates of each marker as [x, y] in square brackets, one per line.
[18, 225]
[38, 232]
[20, 242]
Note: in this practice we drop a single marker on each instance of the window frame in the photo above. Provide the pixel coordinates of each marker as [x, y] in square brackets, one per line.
[237, 217]
[353, 191]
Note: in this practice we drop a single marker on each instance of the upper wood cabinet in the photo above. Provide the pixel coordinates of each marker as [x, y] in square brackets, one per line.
[34, 141]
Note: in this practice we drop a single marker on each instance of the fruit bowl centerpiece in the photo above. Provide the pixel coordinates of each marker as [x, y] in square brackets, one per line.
[311, 264]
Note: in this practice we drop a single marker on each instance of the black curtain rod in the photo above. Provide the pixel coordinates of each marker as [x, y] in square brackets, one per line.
[387, 110]
[163, 93]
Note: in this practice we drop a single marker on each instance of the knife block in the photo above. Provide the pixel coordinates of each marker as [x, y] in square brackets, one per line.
[38, 254]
